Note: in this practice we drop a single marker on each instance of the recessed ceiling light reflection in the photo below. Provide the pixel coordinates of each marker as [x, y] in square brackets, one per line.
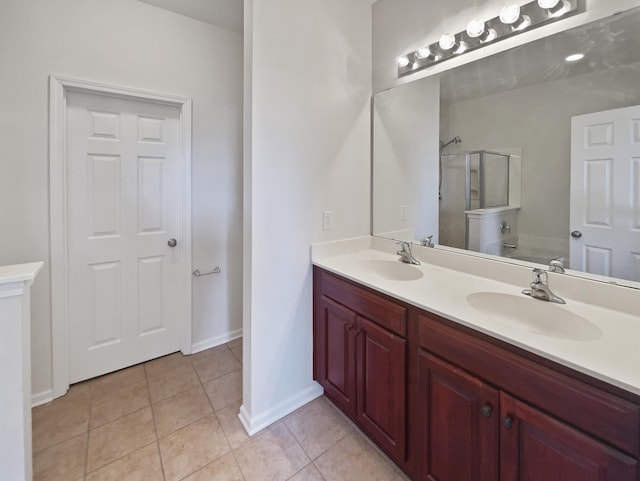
[576, 57]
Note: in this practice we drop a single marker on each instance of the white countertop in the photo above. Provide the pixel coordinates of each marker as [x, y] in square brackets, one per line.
[612, 355]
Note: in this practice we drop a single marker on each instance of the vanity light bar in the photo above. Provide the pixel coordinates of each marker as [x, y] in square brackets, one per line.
[532, 15]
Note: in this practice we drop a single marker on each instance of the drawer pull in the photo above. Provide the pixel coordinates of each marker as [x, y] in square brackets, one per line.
[486, 411]
[507, 422]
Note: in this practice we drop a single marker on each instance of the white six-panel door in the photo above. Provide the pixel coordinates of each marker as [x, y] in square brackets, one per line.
[605, 193]
[123, 208]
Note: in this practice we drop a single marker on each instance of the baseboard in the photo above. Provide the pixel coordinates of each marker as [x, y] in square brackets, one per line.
[255, 424]
[40, 398]
[215, 341]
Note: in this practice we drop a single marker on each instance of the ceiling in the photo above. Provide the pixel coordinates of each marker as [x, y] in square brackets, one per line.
[221, 13]
[611, 42]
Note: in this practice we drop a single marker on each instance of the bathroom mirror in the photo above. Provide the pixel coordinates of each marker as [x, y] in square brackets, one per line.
[509, 128]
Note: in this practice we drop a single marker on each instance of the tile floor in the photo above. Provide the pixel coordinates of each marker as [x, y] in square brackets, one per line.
[175, 418]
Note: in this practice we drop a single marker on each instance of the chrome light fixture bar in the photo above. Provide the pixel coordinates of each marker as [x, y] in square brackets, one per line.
[512, 20]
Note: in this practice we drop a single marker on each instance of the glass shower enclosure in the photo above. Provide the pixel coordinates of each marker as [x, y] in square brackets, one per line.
[470, 181]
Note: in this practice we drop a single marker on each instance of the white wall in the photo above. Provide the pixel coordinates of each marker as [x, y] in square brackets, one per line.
[405, 153]
[306, 150]
[401, 26]
[133, 44]
[522, 118]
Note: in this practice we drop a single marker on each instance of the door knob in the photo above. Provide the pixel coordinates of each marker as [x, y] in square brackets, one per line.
[576, 234]
[172, 243]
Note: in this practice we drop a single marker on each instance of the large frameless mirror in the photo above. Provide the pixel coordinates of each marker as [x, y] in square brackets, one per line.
[532, 154]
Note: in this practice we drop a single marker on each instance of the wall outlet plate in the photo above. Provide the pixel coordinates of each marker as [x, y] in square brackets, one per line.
[327, 220]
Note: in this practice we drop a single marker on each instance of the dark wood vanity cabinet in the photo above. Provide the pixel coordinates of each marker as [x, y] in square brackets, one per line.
[459, 421]
[450, 404]
[537, 447]
[360, 361]
[488, 413]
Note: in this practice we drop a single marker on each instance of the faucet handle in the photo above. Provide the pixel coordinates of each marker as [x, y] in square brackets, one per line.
[539, 276]
[404, 246]
[428, 241]
[557, 265]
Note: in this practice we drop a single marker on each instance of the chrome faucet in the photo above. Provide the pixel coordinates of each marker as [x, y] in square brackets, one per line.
[428, 241]
[405, 254]
[557, 265]
[540, 288]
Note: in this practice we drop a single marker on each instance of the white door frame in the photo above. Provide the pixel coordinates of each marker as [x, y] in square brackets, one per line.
[58, 88]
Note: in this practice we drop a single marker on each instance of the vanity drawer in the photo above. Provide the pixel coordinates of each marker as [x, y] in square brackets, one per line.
[369, 305]
[592, 410]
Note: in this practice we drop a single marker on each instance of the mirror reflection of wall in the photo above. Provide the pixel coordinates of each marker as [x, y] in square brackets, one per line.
[405, 122]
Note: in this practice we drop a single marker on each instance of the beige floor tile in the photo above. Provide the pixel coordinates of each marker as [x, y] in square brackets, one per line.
[166, 363]
[118, 402]
[273, 454]
[193, 447]
[317, 426]
[231, 425]
[237, 352]
[165, 384]
[119, 438]
[180, 410]
[62, 462]
[110, 382]
[141, 465]
[310, 473]
[62, 419]
[215, 365]
[354, 459]
[208, 352]
[234, 343]
[222, 469]
[225, 391]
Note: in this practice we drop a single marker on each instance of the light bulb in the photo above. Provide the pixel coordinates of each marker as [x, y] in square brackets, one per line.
[447, 41]
[423, 53]
[509, 14]
[547, 4]
[475, 28]
[556, 8]
[402, 62]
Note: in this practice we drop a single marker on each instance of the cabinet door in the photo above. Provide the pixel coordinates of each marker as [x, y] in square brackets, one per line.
[337, 354]
[536, 447]
[381, 409]
[459, 423]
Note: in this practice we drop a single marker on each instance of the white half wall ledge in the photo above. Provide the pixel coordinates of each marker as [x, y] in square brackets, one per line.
[215, 341]
[15, 370]
[254, 424]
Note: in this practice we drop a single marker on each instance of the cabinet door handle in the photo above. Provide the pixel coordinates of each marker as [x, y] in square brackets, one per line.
[507, 422]
[486, 411]
[358, 332]
[348, 327]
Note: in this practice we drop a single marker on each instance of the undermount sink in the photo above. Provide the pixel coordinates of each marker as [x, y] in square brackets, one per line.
[391, 270]
[539, 317]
